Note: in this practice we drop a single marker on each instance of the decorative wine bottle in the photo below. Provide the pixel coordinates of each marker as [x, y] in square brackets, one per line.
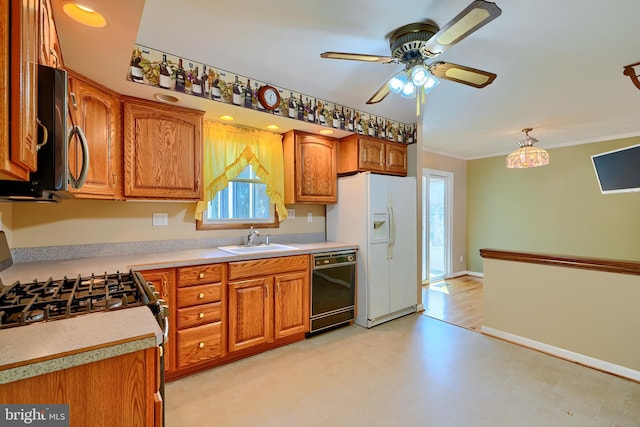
[371, 129]
[300, 109]
[350, 122]
[316, 118]
[165, 74]
[237, 94]
[260, 106]
[308, 110]
[248, 95]
[342, 119]
[321, 116]
[188, 81]
[359, 120]
[292, 106]
[180, 77]
[196, 84]
[135, 70]
[204, 80]
[336, 117]
[215, 89]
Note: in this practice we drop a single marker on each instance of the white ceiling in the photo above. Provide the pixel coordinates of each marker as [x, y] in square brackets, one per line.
[559, 63]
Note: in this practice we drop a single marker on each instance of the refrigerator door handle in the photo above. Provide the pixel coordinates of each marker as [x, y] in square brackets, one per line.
[392, 232]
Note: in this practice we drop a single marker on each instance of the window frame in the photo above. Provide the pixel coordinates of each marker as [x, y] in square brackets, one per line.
[224, 224]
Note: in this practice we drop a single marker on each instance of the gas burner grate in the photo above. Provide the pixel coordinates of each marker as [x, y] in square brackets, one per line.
[22, 304]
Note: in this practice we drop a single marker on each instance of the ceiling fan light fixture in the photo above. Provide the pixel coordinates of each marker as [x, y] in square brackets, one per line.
[397, 82]
[431, 83]
[527, 156]
[409, 90]
[419, 75]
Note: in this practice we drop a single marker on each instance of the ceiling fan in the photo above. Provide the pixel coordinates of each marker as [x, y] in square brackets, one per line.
[414, 44]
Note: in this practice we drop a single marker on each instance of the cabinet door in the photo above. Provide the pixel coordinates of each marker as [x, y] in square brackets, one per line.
[97, 112]
[291, 304]
[250, 317]
[164, 282]
[316, 177]
[371, 155]
[396, 155]
[22, 155]
[48, 48]
[162, 151]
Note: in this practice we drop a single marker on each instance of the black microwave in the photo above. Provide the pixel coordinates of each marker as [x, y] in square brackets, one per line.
[53, 178]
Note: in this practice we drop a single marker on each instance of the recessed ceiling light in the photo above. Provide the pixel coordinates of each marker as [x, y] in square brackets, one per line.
[85, 15]
[226, 118]
[273, 127]
[165, 98]
[326, 131]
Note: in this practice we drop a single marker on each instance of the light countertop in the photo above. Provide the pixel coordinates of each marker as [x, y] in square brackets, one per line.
[44, 347]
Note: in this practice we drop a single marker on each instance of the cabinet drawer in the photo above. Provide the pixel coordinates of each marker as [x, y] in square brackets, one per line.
[202, 294]
[199, 344]
[199, 274]
[198, 315]
[267, 266]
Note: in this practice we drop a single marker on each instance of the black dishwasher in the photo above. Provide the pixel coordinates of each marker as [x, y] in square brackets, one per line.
[333, 290]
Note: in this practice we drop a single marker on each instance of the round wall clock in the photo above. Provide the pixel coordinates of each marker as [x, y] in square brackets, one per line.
[269, 97]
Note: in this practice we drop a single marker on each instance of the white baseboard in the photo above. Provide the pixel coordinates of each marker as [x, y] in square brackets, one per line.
[564, 354]
[466, 273]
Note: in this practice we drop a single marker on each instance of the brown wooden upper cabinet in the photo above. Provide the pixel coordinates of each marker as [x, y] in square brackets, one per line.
[359, 153]
[96, 110]
[19, 69]
[162, 150]
[309, 168]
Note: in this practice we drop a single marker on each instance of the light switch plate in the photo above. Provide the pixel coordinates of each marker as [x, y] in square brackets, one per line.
[309, 217]
[160, 219]
[291, 213]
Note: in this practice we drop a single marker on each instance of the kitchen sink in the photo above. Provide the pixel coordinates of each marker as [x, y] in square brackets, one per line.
[256, 249]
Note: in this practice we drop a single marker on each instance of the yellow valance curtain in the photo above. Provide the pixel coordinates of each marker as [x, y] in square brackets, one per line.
[229, 149]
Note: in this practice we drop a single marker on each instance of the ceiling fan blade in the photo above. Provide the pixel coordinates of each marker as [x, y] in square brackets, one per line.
[359, 57]
[380, 94]
[473, 17]
[461, 74]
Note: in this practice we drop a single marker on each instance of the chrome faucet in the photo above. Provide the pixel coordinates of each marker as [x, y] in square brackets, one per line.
[252, 235]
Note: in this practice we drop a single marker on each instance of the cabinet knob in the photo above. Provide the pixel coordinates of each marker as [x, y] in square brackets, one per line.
[201, 275]
[200, 295]
[201, 345]
[201, 316]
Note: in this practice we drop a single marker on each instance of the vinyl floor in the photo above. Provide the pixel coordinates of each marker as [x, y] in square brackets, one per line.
[412, 371]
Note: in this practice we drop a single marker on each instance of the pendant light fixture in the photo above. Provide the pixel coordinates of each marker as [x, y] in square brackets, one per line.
[527, 156]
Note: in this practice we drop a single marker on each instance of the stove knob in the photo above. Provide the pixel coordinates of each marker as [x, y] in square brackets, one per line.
[156, 294]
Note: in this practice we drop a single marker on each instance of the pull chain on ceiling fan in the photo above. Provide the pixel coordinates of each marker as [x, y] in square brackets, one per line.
[414, 44]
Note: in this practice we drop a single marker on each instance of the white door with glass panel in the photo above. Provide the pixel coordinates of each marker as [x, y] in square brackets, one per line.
[437, 196]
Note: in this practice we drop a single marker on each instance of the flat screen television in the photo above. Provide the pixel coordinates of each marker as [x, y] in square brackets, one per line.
[618, 170]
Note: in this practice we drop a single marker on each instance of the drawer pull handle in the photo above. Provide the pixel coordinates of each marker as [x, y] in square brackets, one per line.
[202, 275]
[201, 345]
[200, 295]
[201, 316]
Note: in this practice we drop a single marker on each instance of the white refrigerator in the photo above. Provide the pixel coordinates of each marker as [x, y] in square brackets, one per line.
[378, 212]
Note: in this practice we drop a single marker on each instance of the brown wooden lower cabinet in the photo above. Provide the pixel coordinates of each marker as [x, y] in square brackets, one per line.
[222, 312]
[120, 391]
[266, 309]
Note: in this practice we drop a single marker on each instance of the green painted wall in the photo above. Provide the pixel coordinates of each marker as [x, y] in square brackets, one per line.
[555, 209]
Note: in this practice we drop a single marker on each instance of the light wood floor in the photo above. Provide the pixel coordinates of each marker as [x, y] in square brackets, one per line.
[457, 301]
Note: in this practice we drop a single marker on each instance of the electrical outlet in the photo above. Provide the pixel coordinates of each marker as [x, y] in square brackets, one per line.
[309, 217]
[461, 258]
[291, 213]
[160, 219]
